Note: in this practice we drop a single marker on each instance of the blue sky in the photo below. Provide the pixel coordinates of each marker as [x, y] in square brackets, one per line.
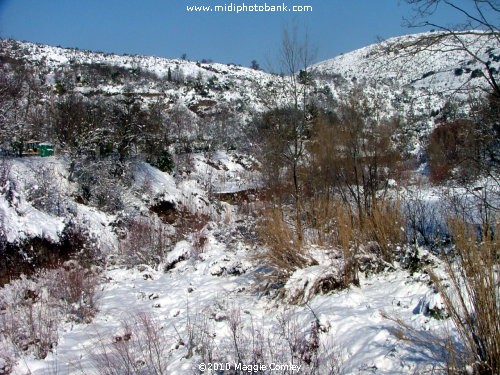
[165, 28]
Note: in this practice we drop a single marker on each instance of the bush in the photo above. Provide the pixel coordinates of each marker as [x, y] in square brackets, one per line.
[101, 183]
[466, 148]
[81, 244]
[283, 253]
[290, 341]
[32, 309]
[45, 194]
[164, 162]
[28, 321]
[472, 299]
[75, 289]
[147, 241]
[141, 348]
[446, 149]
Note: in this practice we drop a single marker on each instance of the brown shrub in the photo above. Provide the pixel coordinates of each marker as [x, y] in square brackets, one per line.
[283, 252]
[146, 242]
[384, 227]
[473, 298]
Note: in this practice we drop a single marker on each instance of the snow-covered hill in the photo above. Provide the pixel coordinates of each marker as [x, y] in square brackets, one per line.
[178, 278]
[399, 74]
[192, 84]
[402, 61]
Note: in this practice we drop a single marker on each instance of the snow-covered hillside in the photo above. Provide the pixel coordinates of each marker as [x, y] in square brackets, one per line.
[177, 81]
[405, 78]
[113, 266]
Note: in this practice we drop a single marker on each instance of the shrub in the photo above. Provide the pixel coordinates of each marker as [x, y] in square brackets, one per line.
[101, 182]
[29, 320]
[141, 348]
[368, 243]
[32, 309]
[291, 341]
[83, 246]
[321, 218]
[465, 148]
[199, 242]
[45, 194]
[443, 150]
[163, 161]
[146, 242]
[283, 253]
[472, 299]
[5, 167]
[74, 287]
[424, 222]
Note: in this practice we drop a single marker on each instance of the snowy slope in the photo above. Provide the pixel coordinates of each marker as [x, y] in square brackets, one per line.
[403, 80]
[441, 68]
[232, 85]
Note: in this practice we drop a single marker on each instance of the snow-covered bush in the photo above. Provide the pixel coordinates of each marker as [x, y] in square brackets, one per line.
[7, 358]
[101, 183]
[5, 167]
[75, 289]
[147, 241]
[32, 309]
[29, 318]
[199, 243]
[142, 347]
[45, 194]
[82, 244]
[249, 343]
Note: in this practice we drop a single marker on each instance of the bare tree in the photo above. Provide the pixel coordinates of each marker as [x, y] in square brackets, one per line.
[295, 57]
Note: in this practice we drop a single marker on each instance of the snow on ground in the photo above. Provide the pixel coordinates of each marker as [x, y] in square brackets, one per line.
[26, 221]
[353, 316]
[223, 172]
[157, 184]
[217, 277]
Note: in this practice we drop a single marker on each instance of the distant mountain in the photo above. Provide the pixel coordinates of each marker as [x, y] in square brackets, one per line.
[414, 85]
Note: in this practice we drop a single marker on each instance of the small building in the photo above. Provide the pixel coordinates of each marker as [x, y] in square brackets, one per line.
[31, 147]
[43, 149]
[46, 149]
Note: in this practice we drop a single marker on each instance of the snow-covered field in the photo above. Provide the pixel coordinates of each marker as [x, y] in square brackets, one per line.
[365, 342]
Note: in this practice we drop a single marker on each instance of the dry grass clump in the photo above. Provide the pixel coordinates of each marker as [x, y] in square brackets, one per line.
[283, 252]
[384, 227]
[366, 241]
[473, 297]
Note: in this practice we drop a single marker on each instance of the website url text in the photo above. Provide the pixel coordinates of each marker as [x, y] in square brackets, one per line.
[241, 8]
